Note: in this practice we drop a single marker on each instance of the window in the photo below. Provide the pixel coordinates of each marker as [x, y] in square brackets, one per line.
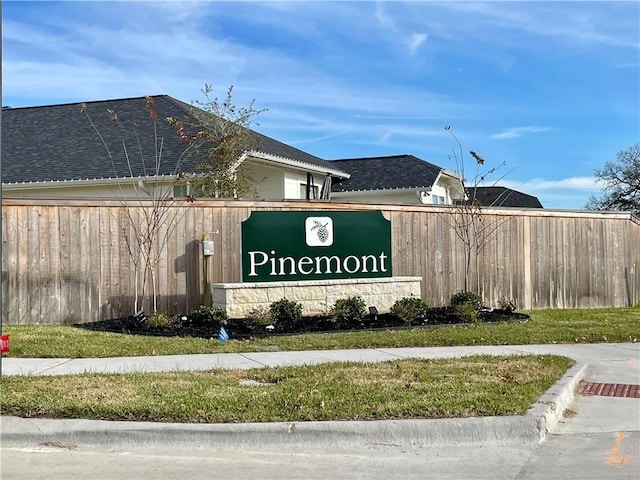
[183, 190]
[313, 191]
[437, 199]
[179, 191]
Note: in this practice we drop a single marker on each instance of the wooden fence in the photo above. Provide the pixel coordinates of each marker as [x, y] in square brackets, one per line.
[68, 261]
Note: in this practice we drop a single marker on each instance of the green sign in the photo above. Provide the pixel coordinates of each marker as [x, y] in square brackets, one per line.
[313, 245]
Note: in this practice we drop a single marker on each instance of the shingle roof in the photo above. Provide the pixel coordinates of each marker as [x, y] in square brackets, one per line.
[57, 142]
[503, 197]
[383, 173]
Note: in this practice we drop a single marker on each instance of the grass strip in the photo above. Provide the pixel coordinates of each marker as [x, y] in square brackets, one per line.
[544, 327]
[411, 388]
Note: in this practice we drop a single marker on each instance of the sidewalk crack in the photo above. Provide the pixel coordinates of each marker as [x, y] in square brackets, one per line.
[252, 360]
[66, 360]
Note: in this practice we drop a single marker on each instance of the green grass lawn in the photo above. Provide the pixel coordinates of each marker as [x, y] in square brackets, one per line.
[545, 326]
[475, 386]
[412, 388]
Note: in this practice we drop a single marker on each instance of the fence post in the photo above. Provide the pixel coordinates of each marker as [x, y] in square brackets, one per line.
[206, 271]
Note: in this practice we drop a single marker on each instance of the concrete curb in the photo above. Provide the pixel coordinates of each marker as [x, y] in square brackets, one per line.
[550, 407]
[531, 428]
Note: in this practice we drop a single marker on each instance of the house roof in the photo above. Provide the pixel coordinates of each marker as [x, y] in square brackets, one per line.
[503, 197]
[58, 142]
[385, 173]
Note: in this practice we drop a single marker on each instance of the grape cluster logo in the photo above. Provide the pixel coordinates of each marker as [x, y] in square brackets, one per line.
[318, 231]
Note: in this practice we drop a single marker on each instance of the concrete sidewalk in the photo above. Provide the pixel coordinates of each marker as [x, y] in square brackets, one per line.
[605, 363]
[582, 353]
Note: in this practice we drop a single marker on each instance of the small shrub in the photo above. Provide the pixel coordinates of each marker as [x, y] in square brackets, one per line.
[508, 305]
[157, 320]
[467, 312]
[287, 314]
[260, 317]
[503, 303]
[467, 305]
[408, 309]
[348, 311]
[466, 298]
[205, 316]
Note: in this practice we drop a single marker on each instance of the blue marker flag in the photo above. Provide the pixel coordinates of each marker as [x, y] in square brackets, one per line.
[223, 336]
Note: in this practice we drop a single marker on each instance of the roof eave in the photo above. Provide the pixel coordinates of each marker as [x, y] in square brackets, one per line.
[84, 182]
[382, 190]
[269, 157]
[450, 173]
[455, 182]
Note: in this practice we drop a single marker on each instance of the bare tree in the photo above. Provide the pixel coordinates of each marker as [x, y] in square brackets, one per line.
[216, 135]
[469, 221]
[621, 183]
[149, 213]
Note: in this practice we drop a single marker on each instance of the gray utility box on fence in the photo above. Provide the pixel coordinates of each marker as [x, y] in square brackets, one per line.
[207, 248]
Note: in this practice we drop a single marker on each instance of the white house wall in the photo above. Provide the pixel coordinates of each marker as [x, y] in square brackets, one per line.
[279, 183]
[274, 183]
[442, 191]
[292, 182]
[269, 180]
[404, 196]
[107, 192]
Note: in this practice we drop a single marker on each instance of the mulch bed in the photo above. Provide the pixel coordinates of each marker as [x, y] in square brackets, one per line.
[182, 326]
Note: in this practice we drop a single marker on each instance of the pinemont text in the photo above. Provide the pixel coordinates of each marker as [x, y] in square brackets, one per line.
[320, 265]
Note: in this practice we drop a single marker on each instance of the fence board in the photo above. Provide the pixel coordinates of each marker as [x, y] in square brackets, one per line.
[26, 297]
[32, 260]
[91, 229]
[201, 221]
[10, 242]
[50, 265]
[106, 252]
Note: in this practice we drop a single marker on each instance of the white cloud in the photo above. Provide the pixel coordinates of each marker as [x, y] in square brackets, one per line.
[416, 41]
[517, 132]
[316, 139]
[608, 23]
[570, 183]
[563, 193]
[382, 17]
[157, 60]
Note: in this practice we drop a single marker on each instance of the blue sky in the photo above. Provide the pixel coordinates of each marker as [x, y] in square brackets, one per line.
[549, 90]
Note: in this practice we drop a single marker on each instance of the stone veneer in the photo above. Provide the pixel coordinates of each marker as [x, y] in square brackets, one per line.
[315, 296]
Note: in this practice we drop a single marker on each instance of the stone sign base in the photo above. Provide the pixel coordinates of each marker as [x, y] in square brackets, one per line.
[316, 296]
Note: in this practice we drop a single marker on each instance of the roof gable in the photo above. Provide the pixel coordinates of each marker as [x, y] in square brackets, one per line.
[58, 142]
[385, 173]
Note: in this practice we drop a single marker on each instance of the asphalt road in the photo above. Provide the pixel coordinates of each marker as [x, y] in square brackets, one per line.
[597, 456]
